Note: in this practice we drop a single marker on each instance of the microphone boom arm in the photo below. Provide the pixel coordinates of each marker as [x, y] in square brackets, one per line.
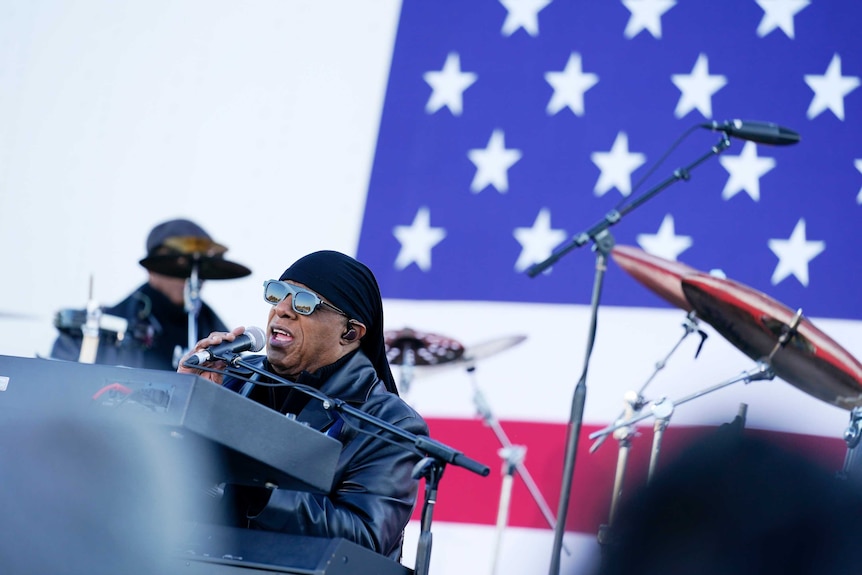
[614, 216]
[422, 445]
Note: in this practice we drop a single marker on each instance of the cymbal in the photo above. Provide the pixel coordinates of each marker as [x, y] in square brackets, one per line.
[408, 346]
[14, 315]
[194, 245]
[208, 267]
[753, 322]
[477, 352]
[660, 275]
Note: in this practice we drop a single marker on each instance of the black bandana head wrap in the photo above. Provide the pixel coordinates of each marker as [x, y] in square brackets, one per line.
[352, 288]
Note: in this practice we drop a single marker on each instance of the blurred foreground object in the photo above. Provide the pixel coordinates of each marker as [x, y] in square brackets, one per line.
[732, 503]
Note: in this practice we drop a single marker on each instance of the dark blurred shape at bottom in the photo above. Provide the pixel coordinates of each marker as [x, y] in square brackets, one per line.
[736, 504]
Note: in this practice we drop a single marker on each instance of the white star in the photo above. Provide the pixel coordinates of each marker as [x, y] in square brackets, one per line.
[746, 169]
[646, 15]
[417, 239]
[569, 86]
[794, 255]
[617, 166]
[448, 86]
[493, 163]
[522, 14]
[830, 89]
[779, 14]
[697, 88]
[665, 244]
[537, 242]
[858, 164]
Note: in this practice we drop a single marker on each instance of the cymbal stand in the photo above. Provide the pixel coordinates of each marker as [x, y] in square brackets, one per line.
[852, 436]
[690, 325]
[192, 295]
[634, 402]
[624, 436]
[408, 362]
[90, 329]
[661, 410]
[762, 371]
[513, 460]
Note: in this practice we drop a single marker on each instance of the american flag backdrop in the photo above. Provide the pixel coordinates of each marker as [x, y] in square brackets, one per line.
[510, 126]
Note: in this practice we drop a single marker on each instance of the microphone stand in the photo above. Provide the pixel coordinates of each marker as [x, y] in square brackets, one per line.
[603, 243]
[435, 454]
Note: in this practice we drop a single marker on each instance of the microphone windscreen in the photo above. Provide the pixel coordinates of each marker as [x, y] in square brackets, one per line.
[257, 336]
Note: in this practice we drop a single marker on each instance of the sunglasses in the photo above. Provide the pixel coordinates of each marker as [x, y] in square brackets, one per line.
[303, 301]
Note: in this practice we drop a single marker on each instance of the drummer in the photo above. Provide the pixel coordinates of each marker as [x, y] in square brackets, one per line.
[156, 324]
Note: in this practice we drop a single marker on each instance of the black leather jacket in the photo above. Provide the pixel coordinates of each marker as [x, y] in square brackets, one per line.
[373, 493]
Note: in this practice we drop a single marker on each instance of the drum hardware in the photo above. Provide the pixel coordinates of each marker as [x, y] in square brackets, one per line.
[192, 302]
[180, 256]
[663, 408]
[71, 321]
[759, 326]
[690, 326]
[662, 276]
[471, 355]
[90, 329]
[852, 435]
[513, 460]
[634, 403]
[194, 259]
[409, 348]
[421, 354]
[806, 357]
[763, 370]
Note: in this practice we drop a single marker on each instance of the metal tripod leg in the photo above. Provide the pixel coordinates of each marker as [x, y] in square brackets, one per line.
[662, 410]
[517, 463]
[624, 436]
[512, 457]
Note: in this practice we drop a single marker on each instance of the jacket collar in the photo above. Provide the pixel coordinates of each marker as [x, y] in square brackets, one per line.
[353, 384]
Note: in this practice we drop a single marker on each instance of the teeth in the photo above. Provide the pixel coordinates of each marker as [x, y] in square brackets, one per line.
[279, 331]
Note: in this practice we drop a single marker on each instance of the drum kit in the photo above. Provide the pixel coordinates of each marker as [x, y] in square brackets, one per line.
[782, 343]
[190, 258]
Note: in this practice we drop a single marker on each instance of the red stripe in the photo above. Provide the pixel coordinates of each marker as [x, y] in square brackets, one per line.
[464, 497]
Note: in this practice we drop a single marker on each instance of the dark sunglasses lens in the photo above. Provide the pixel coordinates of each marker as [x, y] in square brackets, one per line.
[304, 302]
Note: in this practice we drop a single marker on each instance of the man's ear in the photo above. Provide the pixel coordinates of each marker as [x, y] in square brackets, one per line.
[355, 331]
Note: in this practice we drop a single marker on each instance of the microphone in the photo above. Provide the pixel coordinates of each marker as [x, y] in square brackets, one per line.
[252, 339]
[760, 132]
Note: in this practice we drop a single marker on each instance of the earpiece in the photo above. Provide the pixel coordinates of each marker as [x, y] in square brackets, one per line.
[350, 335]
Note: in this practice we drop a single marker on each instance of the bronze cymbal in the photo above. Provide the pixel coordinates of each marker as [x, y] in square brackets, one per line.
[194, 245]
[474, 353]
[753, 322]
[208, 267]
[660, 275]
[408, 346]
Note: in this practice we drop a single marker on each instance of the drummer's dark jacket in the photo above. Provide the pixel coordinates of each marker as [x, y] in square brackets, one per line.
[156, 326]
[373, 493]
